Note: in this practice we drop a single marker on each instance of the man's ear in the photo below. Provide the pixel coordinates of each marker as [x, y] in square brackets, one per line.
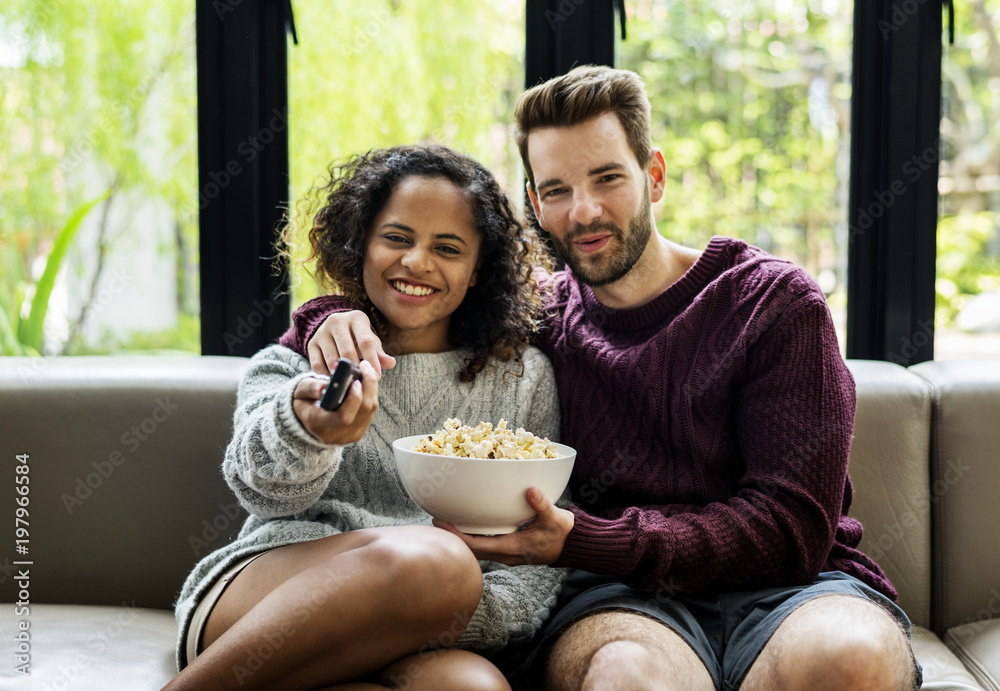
[657, 175]
[534, 205]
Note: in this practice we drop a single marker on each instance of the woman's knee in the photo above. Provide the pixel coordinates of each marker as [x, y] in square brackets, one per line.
[434, 569]
[444, 670]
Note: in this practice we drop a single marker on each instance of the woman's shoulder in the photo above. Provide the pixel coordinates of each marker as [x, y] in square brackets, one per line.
[536, 360]
[531, 368]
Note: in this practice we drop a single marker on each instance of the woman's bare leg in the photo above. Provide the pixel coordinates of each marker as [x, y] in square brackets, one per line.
[444, 670]
[336, 610]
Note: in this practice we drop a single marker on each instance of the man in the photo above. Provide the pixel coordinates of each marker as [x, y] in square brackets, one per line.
[712, 416]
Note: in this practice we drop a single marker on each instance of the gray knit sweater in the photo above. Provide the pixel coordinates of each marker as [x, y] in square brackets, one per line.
[297, 488]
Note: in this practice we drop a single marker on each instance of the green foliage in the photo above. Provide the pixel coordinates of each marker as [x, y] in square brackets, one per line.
[750, 104]
[29, 330]
[382, 73]
[966, 266]
[183, 339]
[750, 109]
[968, 261]
[95, 96]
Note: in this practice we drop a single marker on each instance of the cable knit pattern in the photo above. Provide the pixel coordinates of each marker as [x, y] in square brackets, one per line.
[297, 488]
[712, 427]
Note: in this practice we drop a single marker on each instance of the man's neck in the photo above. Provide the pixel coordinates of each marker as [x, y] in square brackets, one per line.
[660, 266]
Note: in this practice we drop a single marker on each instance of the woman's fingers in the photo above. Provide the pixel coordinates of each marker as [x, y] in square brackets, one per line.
[349, 409]
[350, 421]
[309, 389]
[321, 350]
[348, 335]
[369, 386]
[369, 346]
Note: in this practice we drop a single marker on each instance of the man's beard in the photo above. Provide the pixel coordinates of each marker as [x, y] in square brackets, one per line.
[617, 264]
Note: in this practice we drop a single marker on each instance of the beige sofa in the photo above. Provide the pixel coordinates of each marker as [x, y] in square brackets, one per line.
[125, 494]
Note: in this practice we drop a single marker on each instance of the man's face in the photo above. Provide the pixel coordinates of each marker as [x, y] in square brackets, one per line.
[592, 197]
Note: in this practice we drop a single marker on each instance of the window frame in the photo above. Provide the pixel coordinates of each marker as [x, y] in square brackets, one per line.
[895, 112]
[243, 172]
[895, 116]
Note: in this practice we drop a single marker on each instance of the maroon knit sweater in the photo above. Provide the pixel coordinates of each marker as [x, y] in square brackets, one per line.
[712, 427]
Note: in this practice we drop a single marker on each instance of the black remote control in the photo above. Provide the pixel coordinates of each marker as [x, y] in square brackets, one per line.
[340, 383]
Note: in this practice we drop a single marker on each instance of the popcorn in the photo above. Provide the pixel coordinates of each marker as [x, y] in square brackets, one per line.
[482, 441]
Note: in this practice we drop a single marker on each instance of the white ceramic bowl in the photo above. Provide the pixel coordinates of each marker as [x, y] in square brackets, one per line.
[479, 496]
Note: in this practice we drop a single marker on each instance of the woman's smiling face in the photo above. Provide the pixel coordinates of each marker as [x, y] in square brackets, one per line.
[421, 259]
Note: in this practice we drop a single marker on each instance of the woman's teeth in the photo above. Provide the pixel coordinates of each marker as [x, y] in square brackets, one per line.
[412, 290]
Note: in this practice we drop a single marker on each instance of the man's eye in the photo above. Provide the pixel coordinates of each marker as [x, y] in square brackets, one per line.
[553, 193]
[609, 177]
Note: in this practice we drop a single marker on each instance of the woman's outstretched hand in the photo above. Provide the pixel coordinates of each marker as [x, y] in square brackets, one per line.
[540, 543]
[349, 335]
[349, 422]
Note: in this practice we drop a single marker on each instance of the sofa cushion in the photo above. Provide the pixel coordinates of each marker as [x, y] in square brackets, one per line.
[889, 471]
[977, 645]
[125, 457]
[965, 462]
[92, 648]
[943, 671]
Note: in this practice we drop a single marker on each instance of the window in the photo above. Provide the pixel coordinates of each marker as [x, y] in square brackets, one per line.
[968, 261]
[751, 102]
[368, 75]
[98, 174]
[751, 107]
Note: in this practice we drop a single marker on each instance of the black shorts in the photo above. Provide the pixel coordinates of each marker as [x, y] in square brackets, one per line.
[727, 630]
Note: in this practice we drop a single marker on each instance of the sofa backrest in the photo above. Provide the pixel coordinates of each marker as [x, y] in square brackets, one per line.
[124, 455]
[965, 461]
[891, 480]
[126, 491]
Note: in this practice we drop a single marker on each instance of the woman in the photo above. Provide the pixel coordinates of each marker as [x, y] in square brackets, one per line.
[337, 580]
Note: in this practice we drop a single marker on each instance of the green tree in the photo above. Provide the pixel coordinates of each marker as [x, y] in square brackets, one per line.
[969, 227]
[750, 107]
[96, 96]
[387, 72]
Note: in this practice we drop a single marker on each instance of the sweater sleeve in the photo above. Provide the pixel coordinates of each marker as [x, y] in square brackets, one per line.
[309, 317]
[275, 467]
[793, 416]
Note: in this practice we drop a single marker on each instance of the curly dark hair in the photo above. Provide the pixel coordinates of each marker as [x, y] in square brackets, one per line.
[499, 312]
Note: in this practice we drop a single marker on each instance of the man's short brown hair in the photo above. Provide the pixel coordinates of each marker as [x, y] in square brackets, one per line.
[579, 95]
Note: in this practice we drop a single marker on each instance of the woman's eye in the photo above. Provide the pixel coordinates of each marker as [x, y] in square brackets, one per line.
[395, 238]
[449, 250]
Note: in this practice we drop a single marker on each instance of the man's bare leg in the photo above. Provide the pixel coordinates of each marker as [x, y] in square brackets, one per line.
[837, 642]
[335, 610]
[620, 650]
